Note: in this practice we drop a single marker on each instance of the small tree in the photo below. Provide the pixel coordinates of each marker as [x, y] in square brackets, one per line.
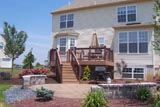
[29, 60]
[121, 66]
[15, 42]
[156, 42]
[86, 73]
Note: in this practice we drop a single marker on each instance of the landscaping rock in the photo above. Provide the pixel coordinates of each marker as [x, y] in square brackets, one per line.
[16, 93]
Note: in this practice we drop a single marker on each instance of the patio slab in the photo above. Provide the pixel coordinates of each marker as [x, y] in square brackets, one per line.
[67, 90]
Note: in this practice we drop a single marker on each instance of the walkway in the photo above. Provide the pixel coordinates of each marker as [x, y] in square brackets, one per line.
[66, 90]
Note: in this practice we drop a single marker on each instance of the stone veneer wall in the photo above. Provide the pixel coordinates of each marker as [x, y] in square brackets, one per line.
[126, 90]
[29, 80]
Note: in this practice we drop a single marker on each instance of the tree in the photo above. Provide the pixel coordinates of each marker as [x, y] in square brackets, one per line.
[38, 65]
[156, 42]
[15, 42]
[29, 60]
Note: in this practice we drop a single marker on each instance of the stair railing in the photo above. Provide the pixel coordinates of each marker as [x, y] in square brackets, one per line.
[75, 65]
[58, 66]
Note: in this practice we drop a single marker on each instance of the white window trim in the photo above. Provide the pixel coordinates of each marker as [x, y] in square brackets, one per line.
[137, 42]
[126, 14]
[133, 67]
[66, 21]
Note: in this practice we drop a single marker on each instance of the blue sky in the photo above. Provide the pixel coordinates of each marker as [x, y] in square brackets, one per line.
[33, 17]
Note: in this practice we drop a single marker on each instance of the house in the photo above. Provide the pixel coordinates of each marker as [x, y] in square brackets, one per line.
[5, 62]
[124, 26]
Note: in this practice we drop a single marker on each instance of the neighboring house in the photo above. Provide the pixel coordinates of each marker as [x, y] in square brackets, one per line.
[5, 62]
[125, 26]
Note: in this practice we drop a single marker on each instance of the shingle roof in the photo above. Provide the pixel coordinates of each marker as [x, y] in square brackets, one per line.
[86, 3]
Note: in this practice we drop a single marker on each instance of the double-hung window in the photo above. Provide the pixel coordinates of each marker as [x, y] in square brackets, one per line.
[66, 21]
[133, 42]
[101, 41]
[126, 13]
[123, 42]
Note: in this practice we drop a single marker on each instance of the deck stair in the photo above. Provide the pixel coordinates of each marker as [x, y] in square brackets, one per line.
[68, 75]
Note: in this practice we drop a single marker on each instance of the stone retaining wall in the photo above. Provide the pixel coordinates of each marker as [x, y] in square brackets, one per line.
[126, 90]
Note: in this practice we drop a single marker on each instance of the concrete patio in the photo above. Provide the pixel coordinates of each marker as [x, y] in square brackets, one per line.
[67, 90]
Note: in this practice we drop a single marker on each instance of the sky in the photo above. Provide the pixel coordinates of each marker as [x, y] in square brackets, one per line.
[34, 17]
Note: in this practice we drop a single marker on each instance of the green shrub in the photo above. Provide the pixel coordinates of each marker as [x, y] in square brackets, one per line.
[5, 75]
[95, 99]
[44, 94]
[157, 102]
[143, 93]
[86, 73]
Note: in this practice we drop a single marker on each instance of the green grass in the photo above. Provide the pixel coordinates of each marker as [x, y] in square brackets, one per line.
[15, 71]
[3, 87]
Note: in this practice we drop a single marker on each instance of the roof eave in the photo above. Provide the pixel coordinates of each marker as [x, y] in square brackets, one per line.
[149, 25]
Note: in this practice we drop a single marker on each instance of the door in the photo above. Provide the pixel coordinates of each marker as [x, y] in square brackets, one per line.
[65, 43]
[63, 48]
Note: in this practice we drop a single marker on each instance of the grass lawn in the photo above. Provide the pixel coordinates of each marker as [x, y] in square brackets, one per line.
[3, 87]
[15, 71]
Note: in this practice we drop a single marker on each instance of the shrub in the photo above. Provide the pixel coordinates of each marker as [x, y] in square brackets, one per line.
[157, 102]
[95, 99]
[5, 75]
[86, 73]
[33, 71]
[143, 93]
[44, 94]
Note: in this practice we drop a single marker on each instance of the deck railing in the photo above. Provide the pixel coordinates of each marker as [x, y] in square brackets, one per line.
[56, 61]
[102, 53]
[75, 65]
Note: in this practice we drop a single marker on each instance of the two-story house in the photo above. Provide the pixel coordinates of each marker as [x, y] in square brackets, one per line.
[125, 26]
[5, 62]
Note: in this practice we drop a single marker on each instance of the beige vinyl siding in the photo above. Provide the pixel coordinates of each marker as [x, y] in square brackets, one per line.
[134, 59]
[85, 37]
[104, 17]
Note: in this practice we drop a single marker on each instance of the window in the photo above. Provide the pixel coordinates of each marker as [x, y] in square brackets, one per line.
[126, 13]
[6, 59]
[72, 43]
[1, 45]
[133, 42]
[63, 43]
[143, 42]
[123, 42]
[101, 41]
[66, 21]
[133, 73]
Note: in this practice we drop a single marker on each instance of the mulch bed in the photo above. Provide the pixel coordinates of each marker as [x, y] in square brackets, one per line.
[70, 102]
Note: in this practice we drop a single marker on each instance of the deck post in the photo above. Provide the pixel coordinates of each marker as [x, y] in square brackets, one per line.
[105, 53]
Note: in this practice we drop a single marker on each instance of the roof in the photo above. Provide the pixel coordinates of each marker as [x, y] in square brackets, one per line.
[82, 4]
[144, 25]
[67, 33]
